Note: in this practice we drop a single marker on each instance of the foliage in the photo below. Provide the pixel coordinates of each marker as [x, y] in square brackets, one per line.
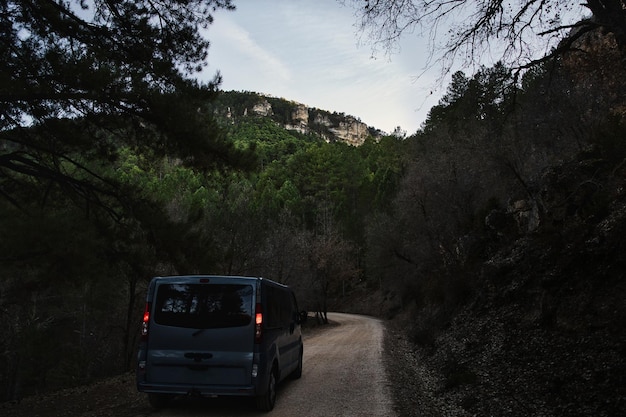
[80, 78]
[87, 88]
[519, 33]
[49, 300]
[484, 150]
[270, 141]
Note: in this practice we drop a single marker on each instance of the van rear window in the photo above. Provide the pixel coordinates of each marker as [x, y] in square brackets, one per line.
[203, 306]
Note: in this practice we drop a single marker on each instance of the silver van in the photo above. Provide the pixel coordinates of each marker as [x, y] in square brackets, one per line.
[218, 335]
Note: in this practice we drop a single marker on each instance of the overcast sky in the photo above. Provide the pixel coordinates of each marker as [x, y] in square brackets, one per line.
[308, 51]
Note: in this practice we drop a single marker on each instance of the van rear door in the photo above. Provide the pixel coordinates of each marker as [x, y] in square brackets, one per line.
[202, 332]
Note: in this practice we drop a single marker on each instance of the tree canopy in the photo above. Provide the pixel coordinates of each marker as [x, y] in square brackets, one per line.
[78, 78]
[518, 33]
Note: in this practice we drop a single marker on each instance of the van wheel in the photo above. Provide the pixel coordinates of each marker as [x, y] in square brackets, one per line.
[297, 373]
[158, 401]
[265, 402]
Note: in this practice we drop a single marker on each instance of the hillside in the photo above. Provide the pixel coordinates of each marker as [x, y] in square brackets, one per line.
[525, 314]
[543, 334]
[233, 107]
[536, 326]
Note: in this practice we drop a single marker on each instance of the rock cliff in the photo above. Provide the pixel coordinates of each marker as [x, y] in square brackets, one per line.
[331, 127]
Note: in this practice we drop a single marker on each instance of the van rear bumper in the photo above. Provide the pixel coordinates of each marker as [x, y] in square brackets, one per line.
[201, 390]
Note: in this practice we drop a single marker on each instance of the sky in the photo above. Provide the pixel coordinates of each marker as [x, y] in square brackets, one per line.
[310, 52]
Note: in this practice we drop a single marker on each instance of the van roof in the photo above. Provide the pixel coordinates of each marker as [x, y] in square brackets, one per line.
[179, 278]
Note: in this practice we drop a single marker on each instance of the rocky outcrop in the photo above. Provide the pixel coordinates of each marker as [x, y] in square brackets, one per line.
[348, 129]
[300, 115]
[331, 127]
[351, 131]
[262, 108]
[299, 119]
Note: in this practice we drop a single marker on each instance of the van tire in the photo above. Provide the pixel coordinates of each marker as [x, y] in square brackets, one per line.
[159, 401]
[266, 401]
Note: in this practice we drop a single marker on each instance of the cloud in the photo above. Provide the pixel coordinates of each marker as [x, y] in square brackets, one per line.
[231, 43]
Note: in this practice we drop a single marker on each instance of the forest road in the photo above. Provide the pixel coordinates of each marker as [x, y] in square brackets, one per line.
[343, 375]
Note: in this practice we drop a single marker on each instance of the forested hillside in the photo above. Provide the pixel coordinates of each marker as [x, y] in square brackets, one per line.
[492, 236]
[505, 244]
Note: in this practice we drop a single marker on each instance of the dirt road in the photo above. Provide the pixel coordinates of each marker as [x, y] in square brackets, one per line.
[343, 375]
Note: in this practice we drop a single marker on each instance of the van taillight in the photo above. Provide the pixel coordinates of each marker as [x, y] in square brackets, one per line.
[146, 321]
[258, 324]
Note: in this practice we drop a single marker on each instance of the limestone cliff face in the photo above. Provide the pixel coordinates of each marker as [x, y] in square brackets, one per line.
[331, 127]
[301, 115]
[262, 108]
[322, 120]
[351, 131]
[299, 119]
[347, 129]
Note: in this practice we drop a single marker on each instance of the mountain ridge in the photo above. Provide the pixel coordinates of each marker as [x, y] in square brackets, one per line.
[233, 106]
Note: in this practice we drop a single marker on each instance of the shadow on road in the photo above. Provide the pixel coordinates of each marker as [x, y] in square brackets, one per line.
[218, 406]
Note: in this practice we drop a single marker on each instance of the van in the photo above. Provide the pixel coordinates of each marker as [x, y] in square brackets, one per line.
[218, 336]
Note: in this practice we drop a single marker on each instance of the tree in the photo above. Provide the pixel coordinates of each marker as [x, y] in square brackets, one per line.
[522, 32]
[79, 77]
[331, 261]
[86, 87]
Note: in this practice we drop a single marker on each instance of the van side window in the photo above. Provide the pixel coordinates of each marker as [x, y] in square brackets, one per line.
[294, 307]
[202, 306]
[279, 308]
[285, 311]
[273, 307]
